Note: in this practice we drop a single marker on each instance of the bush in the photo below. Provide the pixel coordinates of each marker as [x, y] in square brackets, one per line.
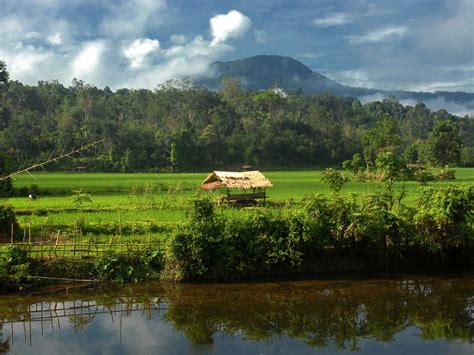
[6, 188]
[334, 179]
[443, 219]
[7, 219]
[116, 267]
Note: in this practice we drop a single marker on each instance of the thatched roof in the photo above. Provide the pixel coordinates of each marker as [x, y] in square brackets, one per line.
[236, 180]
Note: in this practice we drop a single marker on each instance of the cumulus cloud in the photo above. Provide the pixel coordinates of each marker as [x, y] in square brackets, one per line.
[379, 35]
[137, 52]
[234, 24]
[88, 60]
[25, 59]
[334, 19]
[47, 40]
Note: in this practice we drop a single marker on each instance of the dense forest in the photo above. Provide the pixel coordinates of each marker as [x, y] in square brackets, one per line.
[184, 127]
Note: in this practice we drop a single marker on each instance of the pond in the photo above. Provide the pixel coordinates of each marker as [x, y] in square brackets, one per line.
[396, 315]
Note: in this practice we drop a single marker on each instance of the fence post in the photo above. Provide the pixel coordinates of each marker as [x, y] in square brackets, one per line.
[41, 241]
[11, 233]
[29, 232]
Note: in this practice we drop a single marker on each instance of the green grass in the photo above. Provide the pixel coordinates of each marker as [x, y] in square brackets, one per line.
[120, 197]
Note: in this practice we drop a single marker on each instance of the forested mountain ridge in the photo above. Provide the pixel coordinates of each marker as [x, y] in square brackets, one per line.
[181, 127]
[264, 71]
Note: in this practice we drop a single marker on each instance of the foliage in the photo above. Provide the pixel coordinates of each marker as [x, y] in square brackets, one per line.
[189, 128]
[380, 227]
[443, 146]
[116, 267]
[80, 198]
[444, 217]
[16, 263]
[121, 268]
[334, 179]
[4, 75]
[6, 186]
[389, 165]
[7, 220]
[383, 136]
[16, 255]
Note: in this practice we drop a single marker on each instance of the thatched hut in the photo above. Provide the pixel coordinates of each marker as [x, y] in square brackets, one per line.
[250, 185]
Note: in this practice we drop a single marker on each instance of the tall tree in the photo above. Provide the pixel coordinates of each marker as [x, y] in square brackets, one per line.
[443, 146]
[4, 75]
[383, 136]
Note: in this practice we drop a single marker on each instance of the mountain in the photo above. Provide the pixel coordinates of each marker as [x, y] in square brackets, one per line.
[264, 71]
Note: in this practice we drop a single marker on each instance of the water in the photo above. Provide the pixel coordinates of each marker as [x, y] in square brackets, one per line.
[399, 315]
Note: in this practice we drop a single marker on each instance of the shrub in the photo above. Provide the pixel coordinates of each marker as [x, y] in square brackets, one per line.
[443, 219]
[6, 188]
[334, 179]
[116, 267]
[7, 219]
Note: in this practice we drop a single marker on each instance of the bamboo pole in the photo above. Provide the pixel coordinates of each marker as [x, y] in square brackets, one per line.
[29, 232]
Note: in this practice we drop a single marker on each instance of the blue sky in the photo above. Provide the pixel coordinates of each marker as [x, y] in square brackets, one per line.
[412, 44]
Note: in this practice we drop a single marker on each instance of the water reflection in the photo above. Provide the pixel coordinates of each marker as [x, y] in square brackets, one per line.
[430, 314]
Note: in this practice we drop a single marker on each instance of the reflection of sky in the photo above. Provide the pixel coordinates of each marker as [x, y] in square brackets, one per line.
[143, 336]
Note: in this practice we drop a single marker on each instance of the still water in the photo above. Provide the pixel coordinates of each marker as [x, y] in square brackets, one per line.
[397, 315]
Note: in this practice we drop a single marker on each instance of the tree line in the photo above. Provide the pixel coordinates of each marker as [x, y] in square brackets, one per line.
[183, 127]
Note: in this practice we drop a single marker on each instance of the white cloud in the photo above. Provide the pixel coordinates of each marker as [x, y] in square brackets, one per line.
[132, 17]
[335, 19]
[439, 103]
[261, 36]
[137, 52]
[43, 45]
[24, 61]
[379, 35]
[55, 39]
[178, 39]
[372, 98]
[88, 60]
[357, 77]
[234, 24]
[309, 55]
[440, 85]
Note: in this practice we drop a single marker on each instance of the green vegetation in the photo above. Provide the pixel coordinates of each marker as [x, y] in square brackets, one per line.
[181, 127]
[327, 234]
[142, 206]
[317, 232]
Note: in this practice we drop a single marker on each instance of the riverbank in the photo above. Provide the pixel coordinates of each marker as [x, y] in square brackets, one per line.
[33, 274]
[328, 234]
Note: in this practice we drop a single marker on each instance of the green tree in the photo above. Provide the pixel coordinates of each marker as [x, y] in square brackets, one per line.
[389, 165]
[4, 75]
[6, 186]
[443, 146]
[383, 135]
[334, 179]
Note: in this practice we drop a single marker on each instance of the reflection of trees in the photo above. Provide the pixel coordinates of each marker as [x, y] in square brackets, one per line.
[335, 315]
[319, 313]
[4, 344]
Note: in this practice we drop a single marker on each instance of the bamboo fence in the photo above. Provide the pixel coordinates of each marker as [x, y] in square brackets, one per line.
[51, 247]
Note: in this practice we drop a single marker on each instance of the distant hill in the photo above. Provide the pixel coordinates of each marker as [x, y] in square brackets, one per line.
[264, 71]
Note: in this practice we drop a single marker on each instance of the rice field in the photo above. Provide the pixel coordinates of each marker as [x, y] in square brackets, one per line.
[163, 198]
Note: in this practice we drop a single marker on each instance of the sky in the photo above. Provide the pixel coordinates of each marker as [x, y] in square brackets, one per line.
[422, 45]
